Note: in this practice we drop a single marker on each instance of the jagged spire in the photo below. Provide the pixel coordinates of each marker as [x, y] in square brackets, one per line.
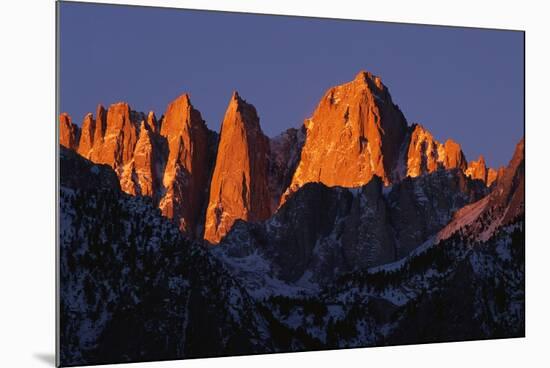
[239, 186]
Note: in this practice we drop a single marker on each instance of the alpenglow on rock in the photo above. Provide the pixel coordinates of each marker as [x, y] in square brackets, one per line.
[426, 155]
[140, 176]
[169, 164]
[187, 166]
[239, 186]
[504, 205]
[68, 132]
[120, 138]
[355, 133]
[87, 132]
[477, 169]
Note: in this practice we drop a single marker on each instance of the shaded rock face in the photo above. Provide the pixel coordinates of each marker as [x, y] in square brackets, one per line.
[493, 175]
[454, 290]
[355, 133]
[152, 123]
[239, 185]
[422, 206]
[511, 186]
[504, 205]
[285, 151]
[188, 163]
[76, 172]
[68, 132]
[322, 232]
[426, 155]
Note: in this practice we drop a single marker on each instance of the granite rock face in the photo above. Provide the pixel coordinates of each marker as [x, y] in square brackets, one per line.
[239, 186]
[353, 230]
[140, 176]
[120, 138]
[477, 169]
[426, 155]
[285, 151]
[87, 133]
[99, 133]
[355, 133]
[68, 132]
[187, 166]
[322, 232]
[168, 160]
[205, 182]
[493, 175]
[422, 206]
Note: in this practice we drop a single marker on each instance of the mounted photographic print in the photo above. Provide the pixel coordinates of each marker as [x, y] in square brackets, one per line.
[237, 184]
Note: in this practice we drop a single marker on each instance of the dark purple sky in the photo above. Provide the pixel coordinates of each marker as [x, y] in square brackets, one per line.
[465, 84]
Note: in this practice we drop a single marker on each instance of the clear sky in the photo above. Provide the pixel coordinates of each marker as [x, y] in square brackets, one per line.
[465, 84]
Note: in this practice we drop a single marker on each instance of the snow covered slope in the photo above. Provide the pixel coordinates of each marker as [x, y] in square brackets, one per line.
[133, 288]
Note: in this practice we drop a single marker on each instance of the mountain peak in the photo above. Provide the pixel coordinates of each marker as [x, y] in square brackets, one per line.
[240, 112]
[424, 152]
[418, 128]
[183, 100]
[370, 128]
[68, 132]
[114, 137]
[186, 169]
[87, 131]
[180, 115]
[477, 169]
[120, 105]
[426, 155]
[363, 76]
[367, 78]
[239, 104]
[237, 101]
[451, 142]
[238, 189]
